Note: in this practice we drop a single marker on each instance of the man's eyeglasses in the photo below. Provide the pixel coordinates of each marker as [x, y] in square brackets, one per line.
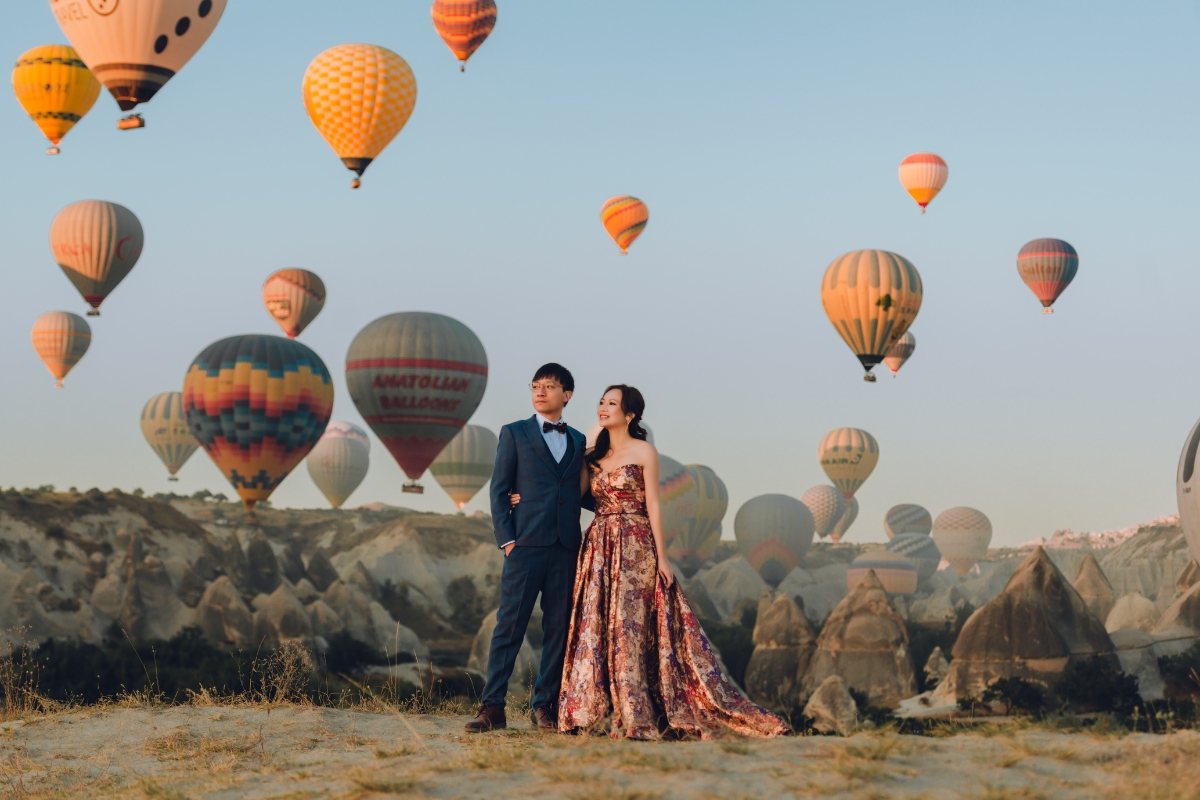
[544, 387]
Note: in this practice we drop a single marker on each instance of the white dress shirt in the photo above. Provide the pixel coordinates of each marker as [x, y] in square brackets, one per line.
[556, 441]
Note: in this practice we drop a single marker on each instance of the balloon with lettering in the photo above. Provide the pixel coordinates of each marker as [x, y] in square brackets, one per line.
[136, 46]
[900, 352]
[257, 404]
[1047, 266]
[962, 535]
[166, 430]
[842, 525]
[697, 541]
[293, 297]
[871, 297]
[466, 464]
[773, 533]
[827, 506]
[339, 461]
[416, 378]
[359, 96]
[919, 548]
[848, 456]
[677, 494]
[897, 574]
[96, 244]
[463, 25]
[907, 518]
[923, 175]
[624, 218]
[55, 88]
[60, 339]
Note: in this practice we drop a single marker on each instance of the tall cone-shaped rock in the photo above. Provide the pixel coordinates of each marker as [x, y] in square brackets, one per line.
[1034, 630]
[865, 642]
[784, 643]
[1094, 588]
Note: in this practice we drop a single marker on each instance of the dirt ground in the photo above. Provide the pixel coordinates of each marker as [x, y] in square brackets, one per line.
[299, 752]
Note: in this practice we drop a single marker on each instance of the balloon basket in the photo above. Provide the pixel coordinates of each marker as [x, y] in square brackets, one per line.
[354, 184]
[173, 479]
[131, 122]
[869, 378]
[1047, 310]
[413, 488]
[52, 151]
[95, 312]
[58, 385]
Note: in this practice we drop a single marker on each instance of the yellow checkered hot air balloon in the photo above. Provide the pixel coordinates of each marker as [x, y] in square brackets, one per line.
[55, 88]
[359, 96]
[624, 218]
[463, 25]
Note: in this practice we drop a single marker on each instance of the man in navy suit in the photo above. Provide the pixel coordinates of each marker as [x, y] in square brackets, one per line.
[540, 459]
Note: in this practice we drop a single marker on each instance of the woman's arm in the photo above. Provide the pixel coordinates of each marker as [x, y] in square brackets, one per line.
[654, 511]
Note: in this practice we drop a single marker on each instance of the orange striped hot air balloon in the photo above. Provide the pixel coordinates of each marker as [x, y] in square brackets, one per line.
[463, 25]
[923, 175]
[60, 339]
[624, 218]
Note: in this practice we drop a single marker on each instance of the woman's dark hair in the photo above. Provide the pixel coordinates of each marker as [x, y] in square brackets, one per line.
[632, 402]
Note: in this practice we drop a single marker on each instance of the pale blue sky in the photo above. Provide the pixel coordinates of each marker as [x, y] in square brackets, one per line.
[765, 137]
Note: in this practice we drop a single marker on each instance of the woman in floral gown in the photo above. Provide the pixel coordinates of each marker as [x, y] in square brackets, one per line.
[635, 651]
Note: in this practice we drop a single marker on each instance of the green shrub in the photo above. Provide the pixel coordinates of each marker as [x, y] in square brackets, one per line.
[876, 715]
[1015, 694]
[1181, 674]
[1096, 684]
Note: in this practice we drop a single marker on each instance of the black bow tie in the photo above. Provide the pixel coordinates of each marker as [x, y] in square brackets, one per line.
[561, 427]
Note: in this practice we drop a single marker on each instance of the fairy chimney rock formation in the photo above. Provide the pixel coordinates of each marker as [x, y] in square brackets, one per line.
[1033, 630]
[223, 616]
[865, 642]
[262, 564]
[281, 617]
[1094, 588]
[831, 708]
[320, 572]
[936, 667]
[784, 644]
[1132, 611]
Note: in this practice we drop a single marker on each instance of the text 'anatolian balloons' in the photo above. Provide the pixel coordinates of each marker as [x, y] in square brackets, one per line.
[463, 25]
[166, 430]
[96, 244]
[55, 88]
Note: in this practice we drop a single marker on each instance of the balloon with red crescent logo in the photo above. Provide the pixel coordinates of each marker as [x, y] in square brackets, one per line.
[96, 243]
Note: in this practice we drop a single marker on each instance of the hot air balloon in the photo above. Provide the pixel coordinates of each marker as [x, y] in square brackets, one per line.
[60, 339]
[463, 25]
[624, 218]
[136, 46]
[359, 96]
[338, 462]
[293, 297]
[919, 548]
[848, 456]
[466, 464]
[871, 297]
[677, 495]
[773, 533]
[827, 507]
[900, 352]
[1187, 497]
[96, 244]
[842, 525]
[257, 404]
[923, 175]
[962, 535]
[1047, 266]
[907, 518]
[55, 88]
[697, 542]
[897, 574]
[416, 378]
[166, 430]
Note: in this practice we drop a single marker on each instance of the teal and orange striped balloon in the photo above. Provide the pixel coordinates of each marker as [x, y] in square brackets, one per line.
[897, 574]
[463, 25]
[624, 218]
[257, 404]
[677, 495]
[166, 430]
[697, 542]
[773, 533]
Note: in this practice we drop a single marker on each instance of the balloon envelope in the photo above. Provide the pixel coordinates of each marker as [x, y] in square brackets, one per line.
[848, 456]
[897, 574]
[60, 339]
[293, 297]
[827, 507]
[842, 525]
[677, 495]
[697, 542]
[773, 533]
[907, 518]
[463, 24]
[416, 378]
[166, 430]
[962, 535]
[466, 464]
[920, 549]
[96, 243]
[624, 218]
[339, 461]
[900, 352]
[1047, 266]
[1187, 495]
[55, 88]
[871, 297]
[257, 404]
[923, 175]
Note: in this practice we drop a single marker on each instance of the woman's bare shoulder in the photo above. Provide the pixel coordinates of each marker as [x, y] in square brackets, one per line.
[643, 451]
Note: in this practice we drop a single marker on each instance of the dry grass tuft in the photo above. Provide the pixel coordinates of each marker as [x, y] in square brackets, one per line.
[735, 747]
[386, 785]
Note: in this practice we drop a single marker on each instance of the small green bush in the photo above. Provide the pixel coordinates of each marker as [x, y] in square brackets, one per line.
[876, 715]
[1015, 694]
[1096, 684]
[1181, 674]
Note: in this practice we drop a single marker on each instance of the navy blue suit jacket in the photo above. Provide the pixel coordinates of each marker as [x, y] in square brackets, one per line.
[550, 498]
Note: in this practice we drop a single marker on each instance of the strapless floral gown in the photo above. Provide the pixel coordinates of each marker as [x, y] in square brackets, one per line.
[635, 650]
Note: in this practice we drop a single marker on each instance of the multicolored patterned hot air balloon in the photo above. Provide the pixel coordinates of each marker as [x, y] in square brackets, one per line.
[842, 525]
[900, 352]
[96, 244]
[55, 88]
[338, 462]
[257, 404]
[897, 574]
[919, 548]
[416, 378]
[677, 495]
[166, 430]
[871, 297]
[848, 456]
[624, 218]
[463, 25]
[773, 533]
[962, 535]
[466, 464]
[60, 339]
[827, 506]
[701, 534]
[136, 46]
[293, 297]
[907, 518]
[923, 175]
[359, 96]
[1047, 266]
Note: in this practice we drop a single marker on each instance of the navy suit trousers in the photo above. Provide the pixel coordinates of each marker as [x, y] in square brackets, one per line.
[528, 571]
